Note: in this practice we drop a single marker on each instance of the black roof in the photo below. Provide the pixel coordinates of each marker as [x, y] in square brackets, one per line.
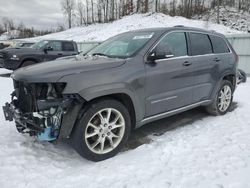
[57, 40]
[179, 27]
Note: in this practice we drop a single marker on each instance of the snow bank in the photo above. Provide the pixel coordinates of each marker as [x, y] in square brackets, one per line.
[229, 17]
[211, 152]
[100, 32]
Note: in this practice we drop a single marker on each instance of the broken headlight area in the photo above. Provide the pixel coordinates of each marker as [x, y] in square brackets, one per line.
[38, 108]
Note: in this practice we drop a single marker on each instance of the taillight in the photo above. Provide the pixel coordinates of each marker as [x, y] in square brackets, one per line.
[236, 57]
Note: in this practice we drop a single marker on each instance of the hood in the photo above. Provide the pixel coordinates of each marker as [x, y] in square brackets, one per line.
[18, 50]
[52, 71]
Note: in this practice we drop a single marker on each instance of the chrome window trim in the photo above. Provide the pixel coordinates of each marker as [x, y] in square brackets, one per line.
[188, 56]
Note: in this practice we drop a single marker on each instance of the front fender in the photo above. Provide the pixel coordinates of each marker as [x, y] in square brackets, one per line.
[116, 88]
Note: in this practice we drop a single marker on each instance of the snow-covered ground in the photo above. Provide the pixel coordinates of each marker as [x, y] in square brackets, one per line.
[100, 32]
[205, 152]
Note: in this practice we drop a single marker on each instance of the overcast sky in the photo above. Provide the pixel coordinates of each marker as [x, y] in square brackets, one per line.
[41, 14]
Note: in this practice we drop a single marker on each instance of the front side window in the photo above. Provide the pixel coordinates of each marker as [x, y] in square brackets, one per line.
[123, 45]
[55, 46]
[200, 44]
[175, 43]
[219, 45]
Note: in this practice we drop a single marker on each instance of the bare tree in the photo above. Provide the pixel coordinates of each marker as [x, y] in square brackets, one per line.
[87, 11]
[156, 5]
[68, 9]
[92, 11]
[146, 8]
[80, 11]
[218, 11]
[99, 11]
[8, 24]
[112, 10]
[138, 6]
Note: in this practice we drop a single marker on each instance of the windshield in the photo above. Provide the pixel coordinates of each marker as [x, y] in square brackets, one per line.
[123, 45]
[40, 45]
[15, 45]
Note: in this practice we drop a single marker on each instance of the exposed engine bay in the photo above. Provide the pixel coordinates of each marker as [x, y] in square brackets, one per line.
[39, 108]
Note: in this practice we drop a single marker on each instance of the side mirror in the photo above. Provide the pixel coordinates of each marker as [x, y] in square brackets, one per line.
[160, 52]
[48, 48]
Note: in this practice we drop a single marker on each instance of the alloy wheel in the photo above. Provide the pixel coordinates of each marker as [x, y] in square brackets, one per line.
[225, 97]
[105, 131]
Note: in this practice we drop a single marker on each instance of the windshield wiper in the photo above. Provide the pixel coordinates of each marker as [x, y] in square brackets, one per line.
[100, 54]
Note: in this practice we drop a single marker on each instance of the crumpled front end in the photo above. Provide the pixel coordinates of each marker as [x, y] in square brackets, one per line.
[41, 109]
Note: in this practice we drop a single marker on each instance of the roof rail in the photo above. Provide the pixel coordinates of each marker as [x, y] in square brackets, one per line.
[179, 26]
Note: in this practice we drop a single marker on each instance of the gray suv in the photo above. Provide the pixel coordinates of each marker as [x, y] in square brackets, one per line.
[129, 80]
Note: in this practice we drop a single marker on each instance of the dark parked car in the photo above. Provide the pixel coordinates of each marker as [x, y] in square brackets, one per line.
[84, 48]
[127, 81]
[46, 50]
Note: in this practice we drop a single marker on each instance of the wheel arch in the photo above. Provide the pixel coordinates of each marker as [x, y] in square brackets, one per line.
[29, 59]
[227, 75]
[231, 78]
[119, 92]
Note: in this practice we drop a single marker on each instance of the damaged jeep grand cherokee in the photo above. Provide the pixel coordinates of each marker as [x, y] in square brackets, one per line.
[129, 80]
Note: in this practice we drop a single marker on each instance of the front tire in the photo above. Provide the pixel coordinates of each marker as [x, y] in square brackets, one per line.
[102, 131]
[223, 100]
[27, 63]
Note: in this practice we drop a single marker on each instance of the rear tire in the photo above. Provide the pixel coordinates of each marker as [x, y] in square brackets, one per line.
[102, 131]
[223, 100]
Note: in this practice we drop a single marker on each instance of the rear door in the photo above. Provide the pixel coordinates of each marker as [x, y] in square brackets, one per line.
[169, 81]
[204, 65]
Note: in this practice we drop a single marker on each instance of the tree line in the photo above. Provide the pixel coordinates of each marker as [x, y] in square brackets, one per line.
[7, 24]
[85, 12]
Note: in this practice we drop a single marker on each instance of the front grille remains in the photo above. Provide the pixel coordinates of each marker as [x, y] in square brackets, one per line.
[25, 94]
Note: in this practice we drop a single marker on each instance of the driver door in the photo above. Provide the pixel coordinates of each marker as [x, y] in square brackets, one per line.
[53, 50]
[169, 79]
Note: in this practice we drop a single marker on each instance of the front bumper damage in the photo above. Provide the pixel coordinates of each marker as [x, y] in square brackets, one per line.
[49, 119]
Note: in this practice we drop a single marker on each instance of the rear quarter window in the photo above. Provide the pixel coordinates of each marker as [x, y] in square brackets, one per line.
[219, 45]
[68, 46]
[200, 44]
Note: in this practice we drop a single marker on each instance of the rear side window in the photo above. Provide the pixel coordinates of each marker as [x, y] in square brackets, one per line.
[219, 45]
[176, 43]
[68, 46]
[200, 44]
